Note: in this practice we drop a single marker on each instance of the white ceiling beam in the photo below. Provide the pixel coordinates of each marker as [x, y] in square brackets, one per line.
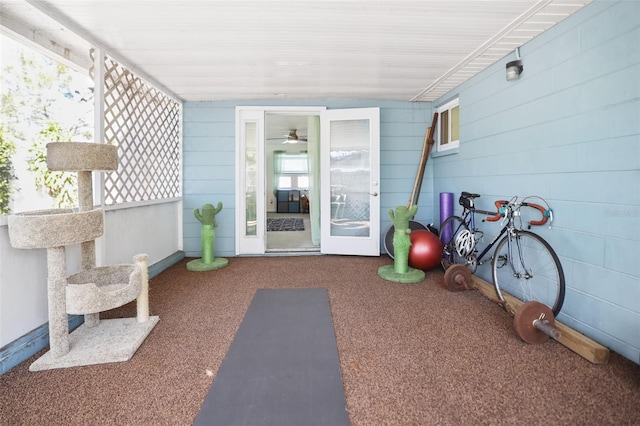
[17, 29]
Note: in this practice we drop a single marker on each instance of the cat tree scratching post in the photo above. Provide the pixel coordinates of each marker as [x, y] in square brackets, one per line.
[87, 248]
[93, 289]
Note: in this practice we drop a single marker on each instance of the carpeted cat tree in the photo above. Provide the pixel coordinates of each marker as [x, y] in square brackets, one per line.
[93, 289]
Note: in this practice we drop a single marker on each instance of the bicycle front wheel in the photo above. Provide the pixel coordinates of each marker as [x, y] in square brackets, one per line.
[526, 267]
[456, 240]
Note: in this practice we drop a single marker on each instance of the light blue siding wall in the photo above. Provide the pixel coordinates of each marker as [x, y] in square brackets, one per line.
[569, 131]
[209, 162]
[209, 173]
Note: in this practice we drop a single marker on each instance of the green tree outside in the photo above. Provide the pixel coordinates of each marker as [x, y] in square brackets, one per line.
[42, 101]
[7, 149]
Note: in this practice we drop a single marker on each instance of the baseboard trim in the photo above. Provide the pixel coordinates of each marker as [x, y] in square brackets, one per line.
[31, 343]
[165, 263]
[36, 340]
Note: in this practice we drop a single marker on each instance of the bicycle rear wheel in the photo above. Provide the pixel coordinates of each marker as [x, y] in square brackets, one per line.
[525, 266]
[457, 241]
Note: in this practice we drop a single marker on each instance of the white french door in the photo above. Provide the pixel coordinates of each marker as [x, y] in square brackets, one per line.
[350, 181]
[251, 183]
[350, 176]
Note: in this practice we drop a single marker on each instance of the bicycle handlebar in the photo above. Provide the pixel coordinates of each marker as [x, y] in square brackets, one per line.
[543, 211]
[501, 204]
[500, 214]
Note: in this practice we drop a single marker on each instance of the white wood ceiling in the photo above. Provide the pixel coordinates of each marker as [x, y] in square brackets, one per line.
[406, 50]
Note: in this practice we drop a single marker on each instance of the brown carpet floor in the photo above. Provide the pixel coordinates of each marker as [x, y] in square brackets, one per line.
[411, 354]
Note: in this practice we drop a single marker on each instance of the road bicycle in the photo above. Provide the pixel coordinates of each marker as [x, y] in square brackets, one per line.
[523, 264]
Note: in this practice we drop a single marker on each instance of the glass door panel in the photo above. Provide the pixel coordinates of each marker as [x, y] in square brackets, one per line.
[349, 177]
[251, 179]
[350, 170]
[250, 211]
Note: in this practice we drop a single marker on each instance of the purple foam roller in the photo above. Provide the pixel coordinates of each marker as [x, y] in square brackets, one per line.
[446, 210]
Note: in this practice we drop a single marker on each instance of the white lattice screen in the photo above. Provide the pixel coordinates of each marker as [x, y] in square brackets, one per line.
[145, 125]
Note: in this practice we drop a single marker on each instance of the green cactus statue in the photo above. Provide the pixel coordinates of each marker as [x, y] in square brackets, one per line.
[208, 236]
[400, 271]
[208, 216]
[401, 239]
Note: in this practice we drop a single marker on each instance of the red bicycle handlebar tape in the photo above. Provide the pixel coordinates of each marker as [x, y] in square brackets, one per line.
[498, 215]
[542, 210]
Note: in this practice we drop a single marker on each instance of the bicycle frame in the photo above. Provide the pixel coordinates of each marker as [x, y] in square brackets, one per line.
[493, 242]
[506, 210]
[468, 217]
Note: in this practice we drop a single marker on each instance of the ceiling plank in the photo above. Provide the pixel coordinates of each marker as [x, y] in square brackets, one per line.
[223, 50]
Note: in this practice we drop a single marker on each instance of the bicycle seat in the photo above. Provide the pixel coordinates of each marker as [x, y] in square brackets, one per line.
[466, 199]
[468, 195]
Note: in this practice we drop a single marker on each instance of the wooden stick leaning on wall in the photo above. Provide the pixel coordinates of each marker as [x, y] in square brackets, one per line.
[413, 225]
[426, 151]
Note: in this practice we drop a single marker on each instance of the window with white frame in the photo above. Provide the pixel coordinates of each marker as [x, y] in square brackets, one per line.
[448, 134]
[291, 170]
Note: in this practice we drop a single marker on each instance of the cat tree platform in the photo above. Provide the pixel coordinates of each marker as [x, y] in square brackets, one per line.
[113, 340]
[54, 228]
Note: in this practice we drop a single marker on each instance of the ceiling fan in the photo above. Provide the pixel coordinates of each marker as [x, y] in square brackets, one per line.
[293, 137]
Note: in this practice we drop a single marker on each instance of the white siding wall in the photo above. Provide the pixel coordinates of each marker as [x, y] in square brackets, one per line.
[154, 229]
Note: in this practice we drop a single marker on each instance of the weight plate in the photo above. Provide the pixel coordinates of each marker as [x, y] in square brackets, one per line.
[523, 322]
[457, 278]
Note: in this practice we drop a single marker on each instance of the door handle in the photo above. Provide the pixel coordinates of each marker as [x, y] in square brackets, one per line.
[375, 194]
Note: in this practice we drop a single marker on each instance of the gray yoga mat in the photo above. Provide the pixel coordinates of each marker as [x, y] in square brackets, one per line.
[282, 367]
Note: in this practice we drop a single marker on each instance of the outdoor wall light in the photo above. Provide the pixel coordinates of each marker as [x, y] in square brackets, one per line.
[515, 68]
